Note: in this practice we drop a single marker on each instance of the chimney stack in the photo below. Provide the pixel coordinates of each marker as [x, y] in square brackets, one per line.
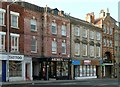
[90, 17]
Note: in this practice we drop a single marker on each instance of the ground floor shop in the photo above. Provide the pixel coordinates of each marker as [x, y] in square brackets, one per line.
[51, 68]
[85, 69]
[12, 67]
[108, 70]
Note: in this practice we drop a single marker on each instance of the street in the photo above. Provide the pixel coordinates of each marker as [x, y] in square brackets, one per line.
[70, 83]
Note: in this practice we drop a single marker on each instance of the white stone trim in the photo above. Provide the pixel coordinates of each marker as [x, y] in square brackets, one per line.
[2, 10]
[2, 33]
[13, 34]
[14, 13]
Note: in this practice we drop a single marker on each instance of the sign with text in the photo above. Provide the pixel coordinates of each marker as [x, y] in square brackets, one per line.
[87, 62]
[16, 57]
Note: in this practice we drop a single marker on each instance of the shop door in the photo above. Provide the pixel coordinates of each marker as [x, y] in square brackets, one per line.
[52, 70]
[27, 73]
[108, 71]
[4, 70]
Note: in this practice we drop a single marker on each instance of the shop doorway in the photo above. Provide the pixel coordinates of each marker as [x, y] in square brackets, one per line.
[27, 71]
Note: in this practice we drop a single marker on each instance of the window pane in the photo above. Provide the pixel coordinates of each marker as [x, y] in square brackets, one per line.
[14, 21]
[77, 49]
[34, 45]
[33, 24]
[54, 47]
[54, 29]
[64, 48]
[91, 51]
[64, 30]
[1, 18]
[15, 68]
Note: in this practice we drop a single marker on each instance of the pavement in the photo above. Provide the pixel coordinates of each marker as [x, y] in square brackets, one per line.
[23, 83]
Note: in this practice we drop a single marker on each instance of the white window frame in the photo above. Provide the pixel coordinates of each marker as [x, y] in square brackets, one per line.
[104, 28]
[110, 43]
[91, 34]
[84, 33]
[35, 44]
[2, 12]
[91, 51]
[14, 48]
[64, 30]
[98, 36]
[33, 22]
[104, 42]
[14, 14]
[77, 31]
[54, 47]
[2, 46]
[55, 27]
[98, 49]
[111, 31]
[77, 49]
[84, 48]
[64, 46]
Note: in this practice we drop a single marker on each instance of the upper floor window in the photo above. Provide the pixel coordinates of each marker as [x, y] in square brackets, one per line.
[34, 45]
[77, 31]
[84, 49]
[104, 28]
[63, 47]
[2, 16]
[84, 33]
[91, 34]
[91, 51]
[98, 36]
[2, 40]
[107, 29]
[111, 31]
[64, 29]
[54, 47]
[98, 51]
[14, 42]
[104, 42]
[14, 19]
[54, 28]
[110, 43]
[33, 25]
[77, 49]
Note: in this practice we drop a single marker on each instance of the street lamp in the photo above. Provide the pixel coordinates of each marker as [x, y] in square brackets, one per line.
[8, 35]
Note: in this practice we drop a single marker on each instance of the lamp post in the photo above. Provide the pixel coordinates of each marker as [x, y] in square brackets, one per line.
[8, 35]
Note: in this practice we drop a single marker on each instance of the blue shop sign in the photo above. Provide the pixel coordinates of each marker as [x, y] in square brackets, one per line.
[76, 62]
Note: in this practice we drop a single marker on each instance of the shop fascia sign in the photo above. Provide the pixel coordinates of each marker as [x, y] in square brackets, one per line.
[87, 62]
[16, 57]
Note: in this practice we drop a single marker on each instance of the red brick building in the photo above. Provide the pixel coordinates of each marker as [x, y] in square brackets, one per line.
[11, 59]
[56, 43]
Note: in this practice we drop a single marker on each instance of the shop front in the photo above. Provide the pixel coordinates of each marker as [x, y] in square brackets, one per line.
[16, 67]
[51, 68]
[86, 69]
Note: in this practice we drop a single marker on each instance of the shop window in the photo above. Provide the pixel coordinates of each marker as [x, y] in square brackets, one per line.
[15, 68]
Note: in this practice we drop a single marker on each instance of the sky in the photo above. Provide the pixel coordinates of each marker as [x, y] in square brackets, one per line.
[79, 8]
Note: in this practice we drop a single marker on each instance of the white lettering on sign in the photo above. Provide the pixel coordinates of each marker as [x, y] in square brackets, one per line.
[16, 57]
[87, 62]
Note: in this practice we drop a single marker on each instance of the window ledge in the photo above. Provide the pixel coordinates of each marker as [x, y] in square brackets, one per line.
[15, 27]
